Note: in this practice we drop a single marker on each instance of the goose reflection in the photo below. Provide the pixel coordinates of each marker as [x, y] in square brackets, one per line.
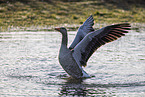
[77, 88]
[73, 87]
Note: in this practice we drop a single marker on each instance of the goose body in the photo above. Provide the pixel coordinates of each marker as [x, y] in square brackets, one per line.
[67, 60]
[86, 42]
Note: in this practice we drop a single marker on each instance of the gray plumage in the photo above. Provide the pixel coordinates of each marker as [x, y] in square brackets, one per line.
[92, 41]
[66, 58]
[85, 44]
[83, 31]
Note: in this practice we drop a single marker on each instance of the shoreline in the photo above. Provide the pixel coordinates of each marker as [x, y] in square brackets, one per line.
[134, 26]
[44, 14]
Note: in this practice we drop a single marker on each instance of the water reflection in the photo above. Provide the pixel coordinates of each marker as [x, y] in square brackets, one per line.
[79, 88]
[74, 87]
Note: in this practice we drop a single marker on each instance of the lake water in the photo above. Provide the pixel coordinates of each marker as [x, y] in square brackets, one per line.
[29, 67]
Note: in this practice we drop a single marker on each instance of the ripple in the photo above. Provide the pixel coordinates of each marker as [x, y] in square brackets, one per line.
[29, 67]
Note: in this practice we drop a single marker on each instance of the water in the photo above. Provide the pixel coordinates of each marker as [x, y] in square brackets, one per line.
[29, 67]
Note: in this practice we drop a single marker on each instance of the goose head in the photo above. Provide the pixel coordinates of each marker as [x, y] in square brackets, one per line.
[61, 30]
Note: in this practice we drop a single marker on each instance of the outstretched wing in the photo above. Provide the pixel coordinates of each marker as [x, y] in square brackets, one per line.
[83, 31]
[94, 40]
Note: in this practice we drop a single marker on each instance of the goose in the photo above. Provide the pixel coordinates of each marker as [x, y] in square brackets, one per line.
[86, 42]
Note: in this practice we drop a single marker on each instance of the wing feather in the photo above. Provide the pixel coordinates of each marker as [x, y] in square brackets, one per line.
[83, 31]
[94, 40]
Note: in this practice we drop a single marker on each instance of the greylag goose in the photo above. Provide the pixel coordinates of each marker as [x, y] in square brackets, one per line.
[86, 42]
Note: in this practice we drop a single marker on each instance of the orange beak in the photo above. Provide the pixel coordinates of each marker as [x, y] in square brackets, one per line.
[58, 29]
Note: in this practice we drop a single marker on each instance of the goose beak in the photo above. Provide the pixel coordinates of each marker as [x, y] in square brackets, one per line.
[58, 29]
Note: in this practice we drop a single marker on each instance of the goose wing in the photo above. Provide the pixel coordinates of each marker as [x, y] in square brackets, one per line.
[83, 31]
[92, 41]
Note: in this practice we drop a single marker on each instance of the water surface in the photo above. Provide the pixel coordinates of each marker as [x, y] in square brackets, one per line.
[29, 66]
